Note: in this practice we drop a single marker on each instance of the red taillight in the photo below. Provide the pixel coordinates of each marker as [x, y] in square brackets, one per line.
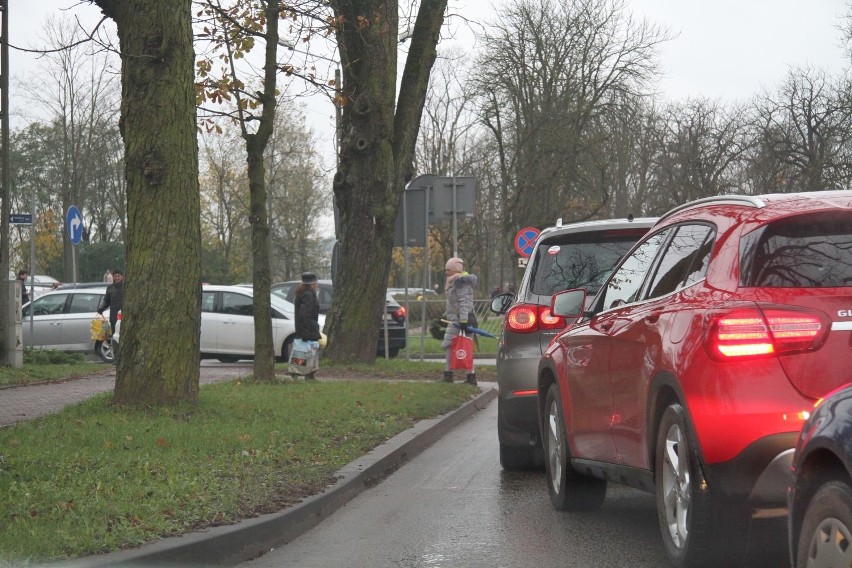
[527, 318]
[119, 317]
[765, 333]
[400, 313]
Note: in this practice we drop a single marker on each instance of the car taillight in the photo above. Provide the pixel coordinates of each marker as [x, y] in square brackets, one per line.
[119, 317]
[527, 318]
[400, 313]
[765, 333]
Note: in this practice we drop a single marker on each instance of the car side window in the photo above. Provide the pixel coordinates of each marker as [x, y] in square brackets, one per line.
[684, 259]
[208, 301]
[84, 303]
[625, 284]
[49, 305]
[324, 297]
[237, 304]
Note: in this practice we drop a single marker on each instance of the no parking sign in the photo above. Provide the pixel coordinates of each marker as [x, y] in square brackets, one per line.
[525, 240]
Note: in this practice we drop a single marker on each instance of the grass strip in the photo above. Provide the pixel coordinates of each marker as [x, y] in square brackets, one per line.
[96, 478]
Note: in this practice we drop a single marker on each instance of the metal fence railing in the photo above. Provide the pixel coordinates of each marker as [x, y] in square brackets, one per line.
[423, 316]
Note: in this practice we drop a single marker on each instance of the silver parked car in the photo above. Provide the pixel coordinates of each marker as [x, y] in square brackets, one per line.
[61, 320]
[579, 255]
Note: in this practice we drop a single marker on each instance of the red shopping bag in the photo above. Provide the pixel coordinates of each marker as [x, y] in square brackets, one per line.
[461, 353]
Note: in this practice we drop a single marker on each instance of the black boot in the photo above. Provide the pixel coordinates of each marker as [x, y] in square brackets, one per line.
[448, 376]
[471, 379]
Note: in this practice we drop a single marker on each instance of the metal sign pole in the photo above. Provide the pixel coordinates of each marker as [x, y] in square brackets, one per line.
[455, 219]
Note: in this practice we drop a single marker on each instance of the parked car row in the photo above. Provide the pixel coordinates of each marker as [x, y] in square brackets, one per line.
[227, 324]
[394, 318]
[691, 371]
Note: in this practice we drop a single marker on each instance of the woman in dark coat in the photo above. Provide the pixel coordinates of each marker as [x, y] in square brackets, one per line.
[307, 312]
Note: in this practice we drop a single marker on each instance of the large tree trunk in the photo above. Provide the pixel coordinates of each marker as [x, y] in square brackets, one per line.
[159, 354]
[375, 159]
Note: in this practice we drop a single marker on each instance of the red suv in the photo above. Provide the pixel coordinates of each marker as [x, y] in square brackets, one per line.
[692, 370]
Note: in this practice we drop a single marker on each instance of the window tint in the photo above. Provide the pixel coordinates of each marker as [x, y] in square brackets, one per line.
[49, 305]
[84, 303]
[579, 261]
[624, 286]
[208, 301]
[324, 298]
[685, 259]
[806, 251]
[236, 304]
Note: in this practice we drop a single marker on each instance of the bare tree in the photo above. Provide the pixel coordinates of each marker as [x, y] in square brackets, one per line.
[700, 144]
[551, 75]
[380, 127]
[805, 127]
[159, 357]
[77, 88]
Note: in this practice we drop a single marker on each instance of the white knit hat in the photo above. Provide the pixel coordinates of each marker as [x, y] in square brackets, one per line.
[455, 264]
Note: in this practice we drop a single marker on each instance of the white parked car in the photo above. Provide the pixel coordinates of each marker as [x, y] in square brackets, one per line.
[227, 324]
[61, 320]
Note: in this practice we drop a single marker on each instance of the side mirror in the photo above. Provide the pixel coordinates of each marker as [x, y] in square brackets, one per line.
[501, 302]
[569, 304]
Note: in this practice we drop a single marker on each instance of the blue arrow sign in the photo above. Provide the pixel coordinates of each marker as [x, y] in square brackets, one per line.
[74, 225]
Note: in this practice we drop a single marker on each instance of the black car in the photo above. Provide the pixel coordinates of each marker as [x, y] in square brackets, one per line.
[394, 314]
[820, 496]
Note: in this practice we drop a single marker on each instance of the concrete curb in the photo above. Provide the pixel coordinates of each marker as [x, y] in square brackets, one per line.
[229, 545]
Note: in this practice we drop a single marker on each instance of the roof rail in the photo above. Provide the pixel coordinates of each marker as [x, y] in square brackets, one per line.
[747, 200]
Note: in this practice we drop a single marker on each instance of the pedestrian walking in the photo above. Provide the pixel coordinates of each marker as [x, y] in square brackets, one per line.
[459, 288]
[108, 276]
[114, 298]
[307, 318]
[25, 295]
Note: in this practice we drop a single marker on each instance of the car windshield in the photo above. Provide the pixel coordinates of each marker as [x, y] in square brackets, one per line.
[805, 251]
[578, 261]
[282, 305]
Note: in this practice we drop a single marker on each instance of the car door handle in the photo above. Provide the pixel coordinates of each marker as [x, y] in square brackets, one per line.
[56, 323]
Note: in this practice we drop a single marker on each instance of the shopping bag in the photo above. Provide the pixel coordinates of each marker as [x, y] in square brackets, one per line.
[461, 353]
[304, 357]
[100, 328]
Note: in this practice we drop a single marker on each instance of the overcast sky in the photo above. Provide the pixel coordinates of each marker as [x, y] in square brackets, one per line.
[727, 49]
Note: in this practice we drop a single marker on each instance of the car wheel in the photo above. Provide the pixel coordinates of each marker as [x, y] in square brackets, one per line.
[516, 459]
[393, 352]
[104, 350]
[227, 359]
[568, 489]
[826, 537]
[691, 537]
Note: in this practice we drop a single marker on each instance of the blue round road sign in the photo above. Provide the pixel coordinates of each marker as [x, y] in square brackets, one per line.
[525, 240]
[74, 225]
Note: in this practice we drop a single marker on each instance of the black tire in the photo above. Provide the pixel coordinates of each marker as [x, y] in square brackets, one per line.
[105, 351]
[827, 528]
[692, 537]
[568, 489]
[517, 459]
[227, 359]
[393, 352]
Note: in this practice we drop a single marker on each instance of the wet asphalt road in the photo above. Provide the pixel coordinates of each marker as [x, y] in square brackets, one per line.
[453, 506]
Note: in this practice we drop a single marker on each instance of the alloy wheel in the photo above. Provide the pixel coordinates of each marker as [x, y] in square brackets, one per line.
[676, 484]
[554, 446]
[831, 545]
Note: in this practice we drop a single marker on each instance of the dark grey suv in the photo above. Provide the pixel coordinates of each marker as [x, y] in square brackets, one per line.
[579, 255]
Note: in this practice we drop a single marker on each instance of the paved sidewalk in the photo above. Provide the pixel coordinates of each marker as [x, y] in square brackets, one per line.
[28, 402]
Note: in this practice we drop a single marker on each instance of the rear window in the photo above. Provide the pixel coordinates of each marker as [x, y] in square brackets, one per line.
[579, 260]
[805, 251]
